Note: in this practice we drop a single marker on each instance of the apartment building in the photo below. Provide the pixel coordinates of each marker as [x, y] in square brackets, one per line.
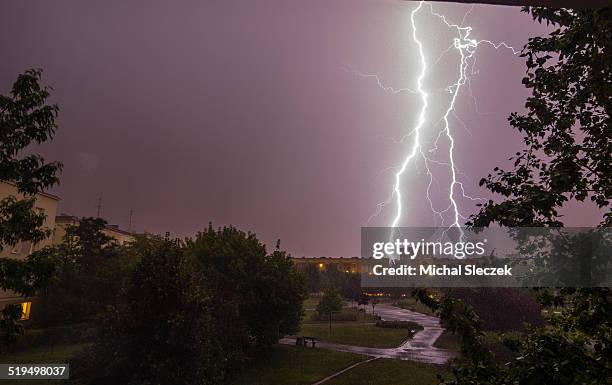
[44, 203]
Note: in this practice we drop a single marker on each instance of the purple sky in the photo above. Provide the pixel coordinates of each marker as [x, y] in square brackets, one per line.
[242, 112]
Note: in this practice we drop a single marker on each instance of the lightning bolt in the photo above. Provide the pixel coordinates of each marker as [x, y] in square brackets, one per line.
[466, 47]
[397, 192]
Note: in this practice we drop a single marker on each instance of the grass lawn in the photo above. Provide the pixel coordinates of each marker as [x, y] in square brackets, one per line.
[448, 341]
[347, 314]
[390, 372]
[355, 333]
[293, 365]
[46, 354]
[410, 303]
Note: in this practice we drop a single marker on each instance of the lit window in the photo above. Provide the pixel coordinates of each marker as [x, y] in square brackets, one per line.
[25, 310]
[320, 265]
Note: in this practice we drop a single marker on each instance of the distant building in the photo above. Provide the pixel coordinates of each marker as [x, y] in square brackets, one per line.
[113, 231]
[45, 203]
[347, 265]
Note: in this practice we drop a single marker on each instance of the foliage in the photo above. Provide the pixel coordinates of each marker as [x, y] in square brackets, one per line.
[572, 347]
[258, 297]
[24, 277]
[351, 286]
[567, 127]
[160, 334]
[567, 156]
[11, 328]
[92, 269]
[312, 278]
[347, 283]
[330, 302]
[411, 304]
[193, 311]
[502, 309]
[25, 118]
[413, 326]
[341, 316]
[29, 275]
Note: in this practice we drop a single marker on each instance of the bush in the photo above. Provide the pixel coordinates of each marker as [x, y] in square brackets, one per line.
[330, 302]
[502, 309]
[343, 316]
[161, 333]
[409, 325]
[192, 312]
[92, 270]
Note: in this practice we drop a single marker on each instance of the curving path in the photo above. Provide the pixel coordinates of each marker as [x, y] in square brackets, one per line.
[419, 348]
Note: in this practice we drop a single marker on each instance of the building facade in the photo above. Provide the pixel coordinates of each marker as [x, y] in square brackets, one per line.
[112, 231]
[44, 203]
[47, 204]
[347, 265]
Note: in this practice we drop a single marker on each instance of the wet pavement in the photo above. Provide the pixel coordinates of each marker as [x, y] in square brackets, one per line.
[419, 348]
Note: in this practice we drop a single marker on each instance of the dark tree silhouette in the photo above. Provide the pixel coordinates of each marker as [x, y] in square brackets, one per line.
[567, 156]
[25, 119]
[567, 126]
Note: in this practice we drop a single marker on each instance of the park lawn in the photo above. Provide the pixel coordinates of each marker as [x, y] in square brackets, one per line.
[347, 314]
[412, 304]
[355, 333]
[295, 365]
[60, 353]
[43, 354]
[448, 341]
[390, 372]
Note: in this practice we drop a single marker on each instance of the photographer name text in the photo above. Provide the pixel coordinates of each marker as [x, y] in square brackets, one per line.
[441, 270]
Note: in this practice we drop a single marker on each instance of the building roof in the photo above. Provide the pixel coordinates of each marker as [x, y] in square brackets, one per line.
[116, 229]
[63, 218]
[66, 218]
[41, 193]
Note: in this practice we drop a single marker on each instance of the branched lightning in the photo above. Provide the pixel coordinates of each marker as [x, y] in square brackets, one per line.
[420, 123]
[466, 47]
[355, 71]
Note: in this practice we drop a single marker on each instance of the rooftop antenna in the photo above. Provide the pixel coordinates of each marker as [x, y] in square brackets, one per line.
[99, 207]
[130, 223]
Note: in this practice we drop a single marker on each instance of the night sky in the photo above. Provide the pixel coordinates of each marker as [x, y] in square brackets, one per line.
[244, 112]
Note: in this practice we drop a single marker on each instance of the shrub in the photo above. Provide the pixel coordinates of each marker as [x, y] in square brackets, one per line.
[409, 325]
[502, 309]
[342, 316]
[192, 312]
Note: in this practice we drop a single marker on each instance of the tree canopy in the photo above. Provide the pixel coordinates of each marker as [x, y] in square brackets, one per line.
[25, 118]
[567, 156]
[566, 127]
[193, 310]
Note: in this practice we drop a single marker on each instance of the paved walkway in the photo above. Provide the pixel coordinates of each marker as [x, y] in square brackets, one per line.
[344, 370]
[419, 348]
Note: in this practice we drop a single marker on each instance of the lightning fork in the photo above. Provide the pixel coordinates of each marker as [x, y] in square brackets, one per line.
[466, 47]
